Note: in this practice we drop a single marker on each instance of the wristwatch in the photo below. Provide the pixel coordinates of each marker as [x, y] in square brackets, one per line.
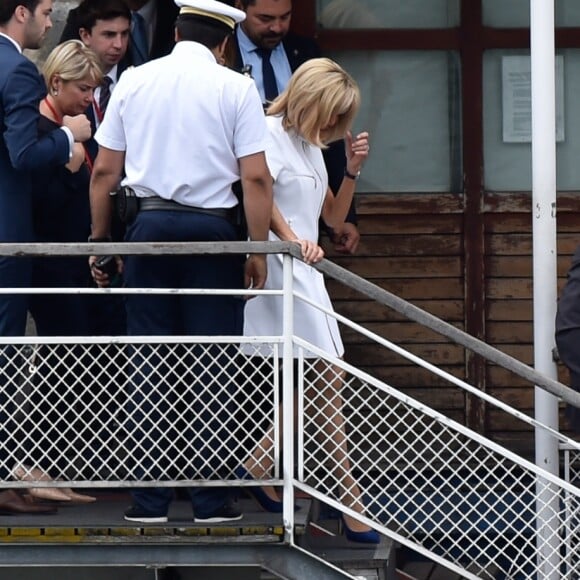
[349, 175]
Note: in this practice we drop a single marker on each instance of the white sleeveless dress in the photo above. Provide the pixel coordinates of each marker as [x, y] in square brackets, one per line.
[300, 184]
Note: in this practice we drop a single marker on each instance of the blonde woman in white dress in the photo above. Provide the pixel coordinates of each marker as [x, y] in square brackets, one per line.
[317, 107]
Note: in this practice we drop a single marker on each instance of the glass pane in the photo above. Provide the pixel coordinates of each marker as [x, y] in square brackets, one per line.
[516, 13]
[508, 165]
[568, 152]
[411, 107]
[388, 13]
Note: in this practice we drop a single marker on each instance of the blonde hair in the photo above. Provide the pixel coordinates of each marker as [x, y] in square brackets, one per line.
[318, 91]
[72, 61]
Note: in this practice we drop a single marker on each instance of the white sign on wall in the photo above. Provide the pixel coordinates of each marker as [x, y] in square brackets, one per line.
[517, 99]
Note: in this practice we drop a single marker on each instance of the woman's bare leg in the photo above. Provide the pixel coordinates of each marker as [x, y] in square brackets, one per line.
[261, 462]
[330, 417]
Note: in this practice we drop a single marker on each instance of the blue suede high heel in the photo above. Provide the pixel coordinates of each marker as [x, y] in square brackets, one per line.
[267, 503]
[369, 537]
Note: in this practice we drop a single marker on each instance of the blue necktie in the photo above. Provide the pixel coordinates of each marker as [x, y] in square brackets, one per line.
[139, 44]
[268, 77]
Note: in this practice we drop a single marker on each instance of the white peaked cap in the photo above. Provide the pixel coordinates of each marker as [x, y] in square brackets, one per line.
[214, 9]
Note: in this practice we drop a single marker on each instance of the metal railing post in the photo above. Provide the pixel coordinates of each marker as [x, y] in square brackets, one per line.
[288, 399]
[543, 91]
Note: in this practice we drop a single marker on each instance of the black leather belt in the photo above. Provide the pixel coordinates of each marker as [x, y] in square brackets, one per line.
[160, 204]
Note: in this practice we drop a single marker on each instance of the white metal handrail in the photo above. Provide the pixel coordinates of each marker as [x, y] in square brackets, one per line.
[409, 460]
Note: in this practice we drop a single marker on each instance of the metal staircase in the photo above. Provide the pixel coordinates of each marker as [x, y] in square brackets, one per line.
[427, 482]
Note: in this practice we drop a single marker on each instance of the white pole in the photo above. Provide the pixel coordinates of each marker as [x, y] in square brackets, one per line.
[544, 270]
[288, 399]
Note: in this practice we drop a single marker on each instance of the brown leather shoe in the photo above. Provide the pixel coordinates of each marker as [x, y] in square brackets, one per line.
[12, 503]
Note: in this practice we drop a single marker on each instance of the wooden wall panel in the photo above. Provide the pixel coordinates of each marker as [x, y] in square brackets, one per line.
[369, 311]
[409, 289]
[412, 246]
[509, 310]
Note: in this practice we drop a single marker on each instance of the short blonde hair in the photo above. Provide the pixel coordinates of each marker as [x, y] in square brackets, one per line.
[318, 91]
[72, 61]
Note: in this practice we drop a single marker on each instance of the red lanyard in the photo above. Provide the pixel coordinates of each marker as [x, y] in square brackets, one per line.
[58, 120]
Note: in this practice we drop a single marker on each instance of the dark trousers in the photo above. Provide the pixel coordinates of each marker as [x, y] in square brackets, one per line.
[14, 273]
[568, 343]
[51, 422]
[67, 374]
[203, 424]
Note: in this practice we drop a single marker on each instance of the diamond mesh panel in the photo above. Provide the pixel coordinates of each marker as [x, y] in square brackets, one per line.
[135, 412]
[169, 413]
[572, 558]
[427, 479]
[573, 474]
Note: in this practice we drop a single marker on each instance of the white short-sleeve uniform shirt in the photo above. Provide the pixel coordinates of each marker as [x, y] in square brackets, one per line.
[184, 121]
[300, 184]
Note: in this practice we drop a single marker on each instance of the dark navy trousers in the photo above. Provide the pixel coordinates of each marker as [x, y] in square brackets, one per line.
[568, 342]
[203, 425]
[14, 273]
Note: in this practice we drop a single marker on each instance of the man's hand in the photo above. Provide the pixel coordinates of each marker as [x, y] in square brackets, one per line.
[346, 238]
[255, 271]
[79, 126]
[103, 279]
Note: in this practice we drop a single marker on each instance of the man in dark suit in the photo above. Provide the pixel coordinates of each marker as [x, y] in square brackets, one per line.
[157, 17]
[23, 25]
[568, 333]
[267, 30]
[104, 27]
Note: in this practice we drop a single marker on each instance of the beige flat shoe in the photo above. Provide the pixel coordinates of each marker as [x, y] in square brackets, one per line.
[49, 493]
[75, 497]
[66, 494]
[27, 473]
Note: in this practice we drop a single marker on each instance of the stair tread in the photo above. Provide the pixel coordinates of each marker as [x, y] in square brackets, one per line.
[339, 549]
[105, 518]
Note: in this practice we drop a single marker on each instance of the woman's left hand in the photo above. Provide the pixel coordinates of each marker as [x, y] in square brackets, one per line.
[357, 150]
[311, 251]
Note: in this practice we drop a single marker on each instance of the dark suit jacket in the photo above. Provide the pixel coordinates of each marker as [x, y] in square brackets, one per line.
[21, 89]
[91, 145]
[568, 333]
[163, 35]
[92, 148]
[299, 49]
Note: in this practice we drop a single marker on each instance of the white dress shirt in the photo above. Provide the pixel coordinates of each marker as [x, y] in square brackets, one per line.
[184, 121]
